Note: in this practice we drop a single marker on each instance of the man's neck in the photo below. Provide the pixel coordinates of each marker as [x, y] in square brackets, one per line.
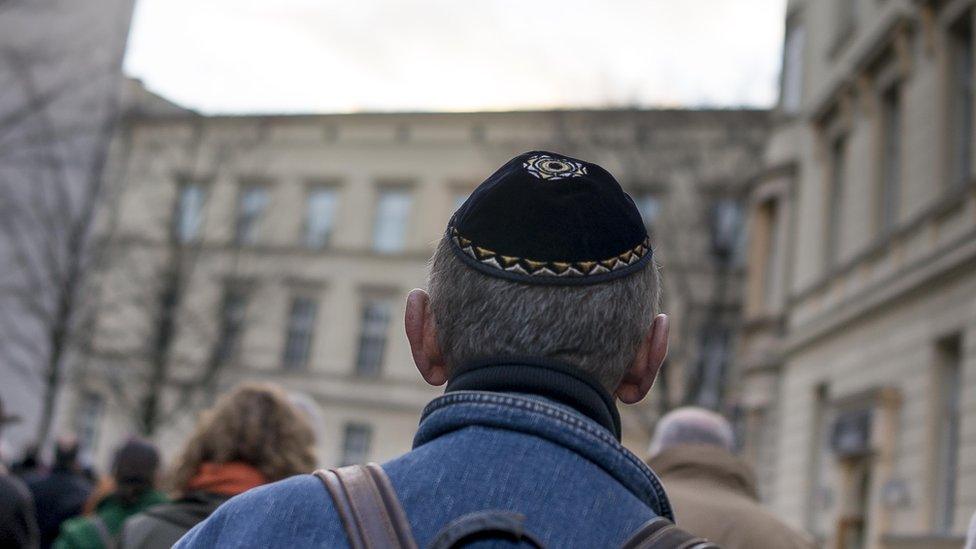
[549, 379]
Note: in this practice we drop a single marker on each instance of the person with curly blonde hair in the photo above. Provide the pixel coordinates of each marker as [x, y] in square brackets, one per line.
[252, 436]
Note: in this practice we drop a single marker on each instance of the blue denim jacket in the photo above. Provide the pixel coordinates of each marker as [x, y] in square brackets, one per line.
[475, 450]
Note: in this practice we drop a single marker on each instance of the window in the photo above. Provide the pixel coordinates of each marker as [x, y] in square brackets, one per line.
[319, 217]
[948, 381]
[189, 212]
[890, 159]
[764, 289]
[86, 423]
[403, 132]
[835, 192]
[713, 358]
[961, 102]
[250, 207]
[726, 225]
[232, 311]
[478, 132]
[761, 246]
[649, 205]
[355, 444]
[791, 83]
[301, 324]
[372, 336]
[392, 214]
[165, 317]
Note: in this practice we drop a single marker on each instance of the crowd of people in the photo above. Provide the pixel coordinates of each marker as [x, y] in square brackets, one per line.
[255, 436]
[542, 315]
[252, 436]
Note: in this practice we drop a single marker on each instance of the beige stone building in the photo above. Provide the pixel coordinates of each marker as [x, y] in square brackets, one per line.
[281, 248]
[859, 351]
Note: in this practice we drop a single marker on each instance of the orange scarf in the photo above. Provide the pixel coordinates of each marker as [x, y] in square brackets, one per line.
[228, 479]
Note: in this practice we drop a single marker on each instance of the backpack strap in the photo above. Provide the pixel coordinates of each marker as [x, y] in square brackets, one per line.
[109, 541]
[368, 507]
[661, 533]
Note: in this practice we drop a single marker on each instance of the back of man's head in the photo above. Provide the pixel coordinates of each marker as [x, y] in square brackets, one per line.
[134, 468]
[596, 328]
[548, 259]
[691, 425]
[135, 461]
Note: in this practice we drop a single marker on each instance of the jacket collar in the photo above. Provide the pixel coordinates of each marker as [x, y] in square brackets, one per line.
[552, 380]
[708, 463]
[550, 421]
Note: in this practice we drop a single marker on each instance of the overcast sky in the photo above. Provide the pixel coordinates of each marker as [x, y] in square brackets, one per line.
[330, 56]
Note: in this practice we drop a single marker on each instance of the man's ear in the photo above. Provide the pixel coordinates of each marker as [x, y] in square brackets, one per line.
[639, 377]
[422, 335]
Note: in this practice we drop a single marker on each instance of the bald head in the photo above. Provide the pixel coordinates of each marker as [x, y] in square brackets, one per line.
[691, 425]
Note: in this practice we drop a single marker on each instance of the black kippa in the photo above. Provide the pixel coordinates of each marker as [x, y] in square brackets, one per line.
[545, 218]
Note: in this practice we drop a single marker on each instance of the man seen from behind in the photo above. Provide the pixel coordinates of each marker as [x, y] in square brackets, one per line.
[541, 315]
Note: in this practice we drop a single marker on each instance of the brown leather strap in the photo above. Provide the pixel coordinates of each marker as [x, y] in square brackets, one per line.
[342, 506]
[660, 533]
[368, 507]
[373, 518]
[394, 510]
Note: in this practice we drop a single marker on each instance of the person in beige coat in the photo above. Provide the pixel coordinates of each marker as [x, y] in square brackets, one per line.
[714, 492]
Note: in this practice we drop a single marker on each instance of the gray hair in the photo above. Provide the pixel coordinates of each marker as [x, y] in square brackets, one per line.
[596, 327]
[691, 425]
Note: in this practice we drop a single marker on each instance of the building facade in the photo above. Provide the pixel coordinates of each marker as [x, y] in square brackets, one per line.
[280, 248]
[859, 347]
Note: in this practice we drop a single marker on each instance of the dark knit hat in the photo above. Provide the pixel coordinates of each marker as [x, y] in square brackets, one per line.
[135, 462]
[545, 218]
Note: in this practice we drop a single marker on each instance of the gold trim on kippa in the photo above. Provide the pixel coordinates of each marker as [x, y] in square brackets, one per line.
[561, 269]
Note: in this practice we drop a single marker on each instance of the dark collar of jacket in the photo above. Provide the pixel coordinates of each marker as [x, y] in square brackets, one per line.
[707, 463]
[511, 406]
[552, 380]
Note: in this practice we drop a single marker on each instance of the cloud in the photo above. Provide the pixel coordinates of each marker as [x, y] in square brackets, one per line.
[330, 56]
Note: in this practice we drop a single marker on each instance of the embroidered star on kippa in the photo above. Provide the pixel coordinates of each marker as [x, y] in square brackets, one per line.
[545, 218]
[546, 166]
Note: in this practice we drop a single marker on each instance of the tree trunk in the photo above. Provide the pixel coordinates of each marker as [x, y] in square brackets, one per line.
[169, 300]
[54, 374]
[52, 383]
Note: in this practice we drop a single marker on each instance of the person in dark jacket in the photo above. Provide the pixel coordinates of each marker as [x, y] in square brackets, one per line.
[224, 457]
[61, 493]
[18, 525]
[713, 491]
[134, 472]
